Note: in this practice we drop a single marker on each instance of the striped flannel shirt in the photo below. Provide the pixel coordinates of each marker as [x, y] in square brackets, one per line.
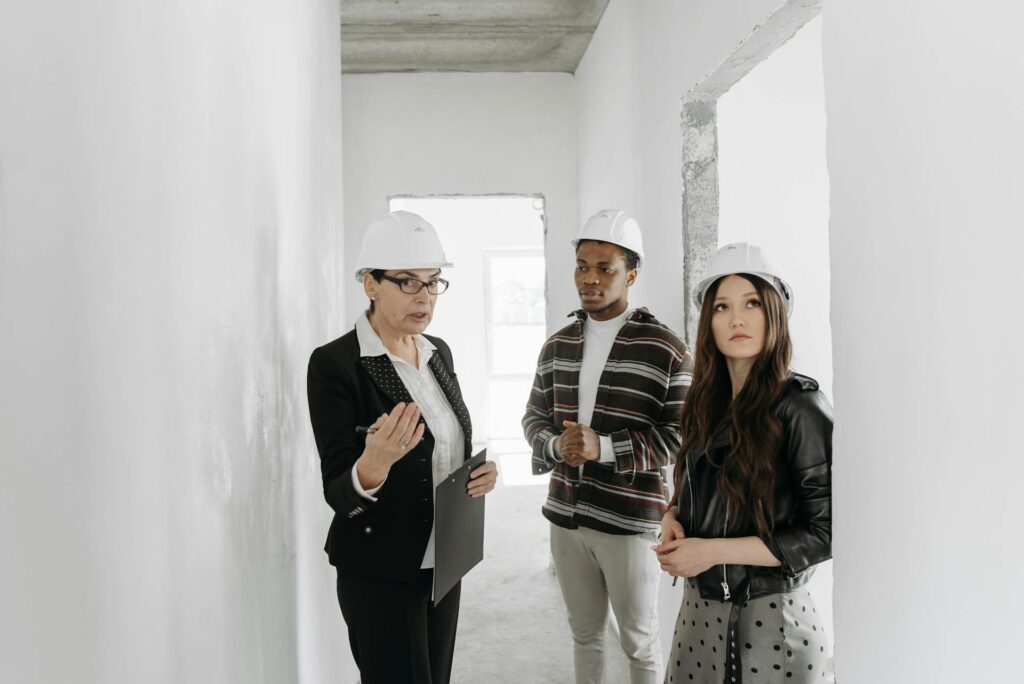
[639, 400]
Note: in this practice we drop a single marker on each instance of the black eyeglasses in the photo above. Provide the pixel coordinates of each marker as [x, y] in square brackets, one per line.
[435, 286]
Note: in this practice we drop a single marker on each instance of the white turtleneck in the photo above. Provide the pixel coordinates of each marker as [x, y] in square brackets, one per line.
[598, 338]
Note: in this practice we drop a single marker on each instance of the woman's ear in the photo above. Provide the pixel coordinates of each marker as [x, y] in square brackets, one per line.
[370, 286]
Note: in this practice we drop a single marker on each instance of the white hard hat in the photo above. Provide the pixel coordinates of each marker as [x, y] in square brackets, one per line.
[614, 226]
[400, 240]
[741, 257]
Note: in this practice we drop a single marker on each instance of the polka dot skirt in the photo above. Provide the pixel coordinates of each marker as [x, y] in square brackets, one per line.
[780, 639]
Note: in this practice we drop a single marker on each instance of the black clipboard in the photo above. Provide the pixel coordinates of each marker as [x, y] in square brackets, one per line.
[458, 528]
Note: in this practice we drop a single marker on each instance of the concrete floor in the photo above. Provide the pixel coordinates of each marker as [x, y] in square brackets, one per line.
[512, 625]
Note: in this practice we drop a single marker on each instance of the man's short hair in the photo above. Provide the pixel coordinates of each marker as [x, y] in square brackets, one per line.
[631, 257]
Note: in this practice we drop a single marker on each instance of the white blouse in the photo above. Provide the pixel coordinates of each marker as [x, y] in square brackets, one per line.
[449, 441]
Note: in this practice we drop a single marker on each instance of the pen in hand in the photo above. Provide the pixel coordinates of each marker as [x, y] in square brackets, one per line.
[368, 430]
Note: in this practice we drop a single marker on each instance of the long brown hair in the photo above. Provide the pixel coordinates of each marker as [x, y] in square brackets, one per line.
[746, 476]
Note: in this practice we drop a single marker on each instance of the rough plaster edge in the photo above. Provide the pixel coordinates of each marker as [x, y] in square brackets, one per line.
[700, 143]
[777, 29]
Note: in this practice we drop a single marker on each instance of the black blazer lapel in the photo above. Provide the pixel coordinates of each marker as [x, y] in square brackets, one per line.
[384, 375]
[451, 392]
[386, 378]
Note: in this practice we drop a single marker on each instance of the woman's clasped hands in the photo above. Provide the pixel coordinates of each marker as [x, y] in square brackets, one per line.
[679, 555]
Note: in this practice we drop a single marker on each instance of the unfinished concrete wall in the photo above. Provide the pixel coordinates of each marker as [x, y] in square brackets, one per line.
[925, 104]
[169, 205]
[450, 134]
[454, 36]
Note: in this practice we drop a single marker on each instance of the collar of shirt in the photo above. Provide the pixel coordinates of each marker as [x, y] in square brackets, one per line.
[640, 314]
[611, 325]
[370, 343]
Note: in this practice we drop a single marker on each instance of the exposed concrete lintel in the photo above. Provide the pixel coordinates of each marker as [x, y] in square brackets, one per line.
[780, 26]
[700, 143]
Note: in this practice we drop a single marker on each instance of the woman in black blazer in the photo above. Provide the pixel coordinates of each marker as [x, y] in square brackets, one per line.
[390, 424]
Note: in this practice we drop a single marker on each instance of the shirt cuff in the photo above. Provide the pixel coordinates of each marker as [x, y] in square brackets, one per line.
[550, 451]
[607, 449]
[365, 493]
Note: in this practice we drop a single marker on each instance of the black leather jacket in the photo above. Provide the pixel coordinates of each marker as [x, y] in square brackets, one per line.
[802, 535]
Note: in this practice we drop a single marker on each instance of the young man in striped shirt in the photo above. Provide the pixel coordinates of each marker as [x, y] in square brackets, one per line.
[603, 417]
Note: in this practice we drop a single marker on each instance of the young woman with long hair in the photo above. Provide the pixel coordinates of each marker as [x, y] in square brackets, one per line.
[753, 511]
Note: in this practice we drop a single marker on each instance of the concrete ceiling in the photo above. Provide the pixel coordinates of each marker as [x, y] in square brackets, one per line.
[472, 35]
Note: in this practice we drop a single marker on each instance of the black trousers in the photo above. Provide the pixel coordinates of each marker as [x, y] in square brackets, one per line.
[396, 634]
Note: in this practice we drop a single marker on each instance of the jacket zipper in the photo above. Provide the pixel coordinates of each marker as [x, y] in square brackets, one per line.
[689, 483]
[726, 595]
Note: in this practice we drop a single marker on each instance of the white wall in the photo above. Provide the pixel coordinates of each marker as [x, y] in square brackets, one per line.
[169, 184]
[773, 184]
[424, 134]
[925, 104]
[643, 58]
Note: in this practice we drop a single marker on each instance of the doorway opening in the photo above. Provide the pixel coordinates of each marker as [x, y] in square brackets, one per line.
[493, 314]
[493, 317]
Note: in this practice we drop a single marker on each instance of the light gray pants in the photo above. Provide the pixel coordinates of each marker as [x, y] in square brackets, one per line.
[595, 568]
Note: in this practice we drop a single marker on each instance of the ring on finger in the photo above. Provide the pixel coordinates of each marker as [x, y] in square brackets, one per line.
[402, 445]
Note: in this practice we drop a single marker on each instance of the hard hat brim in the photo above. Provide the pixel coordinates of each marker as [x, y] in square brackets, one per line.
[777, 283]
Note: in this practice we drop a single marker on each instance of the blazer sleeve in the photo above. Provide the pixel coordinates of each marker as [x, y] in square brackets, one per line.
[807, 539]
[332, 412]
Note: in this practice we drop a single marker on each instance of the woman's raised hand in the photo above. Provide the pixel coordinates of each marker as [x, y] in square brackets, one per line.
[393, 436]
